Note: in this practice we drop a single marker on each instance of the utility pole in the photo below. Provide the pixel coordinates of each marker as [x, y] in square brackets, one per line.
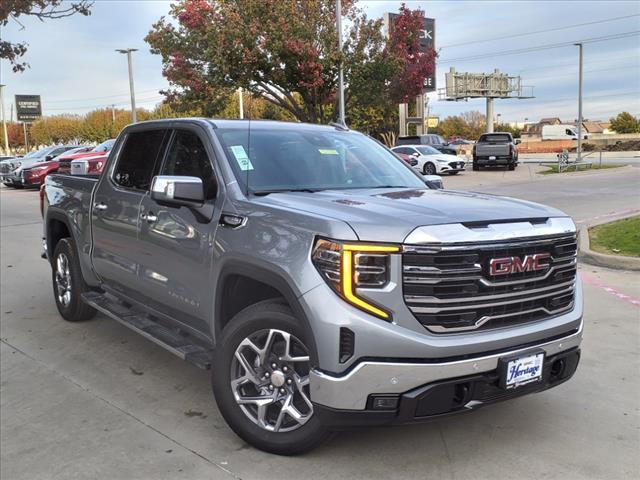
[241, 101]
[4, 122]
[340, 73]
[489, 115]
[579, 45]
[113, 113]
[128, 51]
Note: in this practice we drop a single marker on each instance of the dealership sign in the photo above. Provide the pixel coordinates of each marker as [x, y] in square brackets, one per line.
[427, 43]
[28, 108]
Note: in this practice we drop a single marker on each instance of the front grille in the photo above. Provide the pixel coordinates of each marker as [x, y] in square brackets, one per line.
[449, 289]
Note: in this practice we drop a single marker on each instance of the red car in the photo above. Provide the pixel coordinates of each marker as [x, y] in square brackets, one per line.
[407, 158]
[101, 150]
[34, 176]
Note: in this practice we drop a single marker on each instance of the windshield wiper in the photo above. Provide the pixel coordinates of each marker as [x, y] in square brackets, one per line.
[287, 190]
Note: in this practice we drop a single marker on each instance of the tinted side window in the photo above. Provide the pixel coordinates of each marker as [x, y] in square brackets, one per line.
[188, 157]
[138, 158]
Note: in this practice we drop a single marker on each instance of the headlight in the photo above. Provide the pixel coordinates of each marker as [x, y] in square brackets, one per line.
[349, 266]
[17, 165]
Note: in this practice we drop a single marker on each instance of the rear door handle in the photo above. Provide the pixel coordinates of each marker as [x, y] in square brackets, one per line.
[100, 206]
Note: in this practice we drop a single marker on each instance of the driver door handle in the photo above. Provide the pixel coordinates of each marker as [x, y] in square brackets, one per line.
[149, 217]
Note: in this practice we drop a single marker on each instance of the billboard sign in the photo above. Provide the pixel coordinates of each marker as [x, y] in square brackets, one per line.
[28, 108]
[427, 42]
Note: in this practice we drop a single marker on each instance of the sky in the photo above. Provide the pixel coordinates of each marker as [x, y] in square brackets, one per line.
[74, 66]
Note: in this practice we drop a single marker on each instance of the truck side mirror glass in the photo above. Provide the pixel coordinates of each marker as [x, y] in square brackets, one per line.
[177, 190]
[434, 182]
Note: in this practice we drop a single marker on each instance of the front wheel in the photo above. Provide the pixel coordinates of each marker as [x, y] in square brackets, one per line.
[68, 284]
[261, 380]
[429, 169]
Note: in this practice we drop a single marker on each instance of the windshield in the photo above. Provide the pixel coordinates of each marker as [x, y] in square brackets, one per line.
[39, 153]
[426, 150]
[104, 146]
[312, 159]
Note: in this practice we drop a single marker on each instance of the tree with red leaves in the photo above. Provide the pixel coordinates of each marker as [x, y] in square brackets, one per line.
[286, 52]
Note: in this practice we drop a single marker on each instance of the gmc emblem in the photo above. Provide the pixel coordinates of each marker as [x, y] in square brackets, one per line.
[508, 265]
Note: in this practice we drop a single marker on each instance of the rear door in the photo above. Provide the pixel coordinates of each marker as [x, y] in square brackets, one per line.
[116, 209]
[178, 241]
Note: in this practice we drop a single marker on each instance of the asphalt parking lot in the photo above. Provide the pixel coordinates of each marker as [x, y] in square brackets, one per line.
[94, 400]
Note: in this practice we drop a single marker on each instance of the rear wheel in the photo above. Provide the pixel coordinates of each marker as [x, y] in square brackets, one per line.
[429, 169]
[512, 166]
[68, 284]
[475, 167]
[261, 380]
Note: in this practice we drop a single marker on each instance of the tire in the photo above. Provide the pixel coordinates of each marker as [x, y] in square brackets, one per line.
[429, 168]
[476, 167]
[512, 166]
[68, 284]
[256, 323]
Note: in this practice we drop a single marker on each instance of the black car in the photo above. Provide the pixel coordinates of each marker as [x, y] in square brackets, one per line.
[431, 139]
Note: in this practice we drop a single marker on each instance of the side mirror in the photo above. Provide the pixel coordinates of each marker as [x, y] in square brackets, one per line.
[415, 155]
[434, 182]
[177, 190]
[517, 141]
[48, 157]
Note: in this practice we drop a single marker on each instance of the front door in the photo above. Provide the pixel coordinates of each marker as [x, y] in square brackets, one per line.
[116, 209]
[178, 241]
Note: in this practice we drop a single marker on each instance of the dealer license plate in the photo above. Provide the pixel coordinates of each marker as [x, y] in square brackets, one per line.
[492, 157]
[523, 370]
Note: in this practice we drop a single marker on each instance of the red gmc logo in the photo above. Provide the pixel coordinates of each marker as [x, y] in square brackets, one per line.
[508, 265]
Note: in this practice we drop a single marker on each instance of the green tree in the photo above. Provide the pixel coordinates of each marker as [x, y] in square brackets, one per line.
[625, 123]
[40, 9]
[286, 53]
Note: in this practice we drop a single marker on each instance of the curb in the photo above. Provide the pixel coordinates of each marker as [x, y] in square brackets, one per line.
[617, 262]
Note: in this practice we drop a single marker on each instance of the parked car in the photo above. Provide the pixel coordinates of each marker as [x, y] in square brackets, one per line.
[408, 159]
[34, 176]
[494, 149]
[11, 172]
[88, 165]
[322, 282]
[101, 150]
[431, 139]
[430, 161]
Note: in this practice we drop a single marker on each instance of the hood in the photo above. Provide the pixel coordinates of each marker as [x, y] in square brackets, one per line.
[387, 215]
[25, 163]
[74, 156]
[440, 156]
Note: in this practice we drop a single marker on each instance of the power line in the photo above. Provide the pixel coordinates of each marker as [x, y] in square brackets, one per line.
[99, 98]
[555, 29]
[573, 64]
[620, 67]
[542, 47]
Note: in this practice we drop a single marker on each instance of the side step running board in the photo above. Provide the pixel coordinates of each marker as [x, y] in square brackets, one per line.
[177, 342]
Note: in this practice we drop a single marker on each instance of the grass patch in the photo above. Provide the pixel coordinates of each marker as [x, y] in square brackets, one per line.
[604, 166]
[617, 238]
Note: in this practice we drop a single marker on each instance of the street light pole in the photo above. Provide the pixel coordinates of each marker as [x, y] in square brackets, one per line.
[128, 51]
[4, 122]
[580, 105]
[340, 73]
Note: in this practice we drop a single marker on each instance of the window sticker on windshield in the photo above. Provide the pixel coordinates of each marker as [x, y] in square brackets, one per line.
[241, 157]
[328, 151]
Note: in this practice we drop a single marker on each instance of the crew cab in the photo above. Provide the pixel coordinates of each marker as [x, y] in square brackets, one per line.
[493, 149]
[317, 276]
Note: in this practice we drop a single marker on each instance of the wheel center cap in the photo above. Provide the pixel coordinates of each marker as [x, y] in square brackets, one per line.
[277, 378]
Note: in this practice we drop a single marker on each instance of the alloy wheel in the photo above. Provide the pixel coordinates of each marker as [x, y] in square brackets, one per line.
[270, 380]
[63, 280]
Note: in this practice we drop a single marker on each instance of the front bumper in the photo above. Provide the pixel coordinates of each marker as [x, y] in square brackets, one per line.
[458, 166]
[351, 391]
[452, 396]
[498, 160]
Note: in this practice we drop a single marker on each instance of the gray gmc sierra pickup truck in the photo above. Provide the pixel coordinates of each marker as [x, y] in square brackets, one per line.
[319, 278]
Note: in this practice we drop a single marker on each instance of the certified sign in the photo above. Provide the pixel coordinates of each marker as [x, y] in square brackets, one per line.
[28, 108]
